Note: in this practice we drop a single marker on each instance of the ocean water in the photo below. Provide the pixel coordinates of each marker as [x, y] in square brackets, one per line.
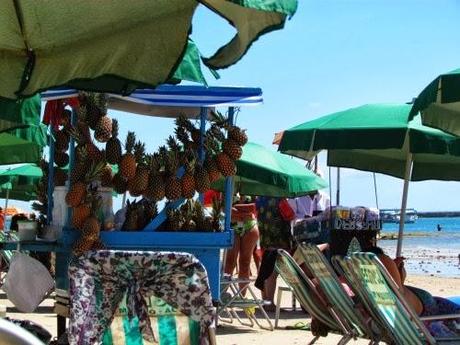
[428, 251]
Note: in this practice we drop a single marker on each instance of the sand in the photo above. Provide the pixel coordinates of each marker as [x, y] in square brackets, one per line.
[237, 334]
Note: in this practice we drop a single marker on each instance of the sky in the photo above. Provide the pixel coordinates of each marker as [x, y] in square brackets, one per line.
[331, 56]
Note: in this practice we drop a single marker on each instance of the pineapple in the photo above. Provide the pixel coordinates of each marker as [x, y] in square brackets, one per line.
[76, 194]
[139, 183]
[131, 217]
[113, 146]
[77, 191]
[202, 181]
[238, 135]
[216, 214]
[128, 161]
[95, 108]
[225, 164]
[61, 158]
[156, 187]
[106, 176]
[82, 245]
[62, 140]
[232, 149]
[173, 187]
[103, 129]
[188, 180]
[202, 223]
[174, 222]
[92, 226]
[150, 209]
[80, 213]
[212, 169]
[119, 183]
[187, 212]
[60, 177]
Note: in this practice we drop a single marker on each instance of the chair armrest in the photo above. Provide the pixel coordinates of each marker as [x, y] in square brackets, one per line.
[440, 317]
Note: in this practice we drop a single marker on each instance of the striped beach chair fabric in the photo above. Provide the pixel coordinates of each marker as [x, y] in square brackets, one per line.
[170, 327]
[384, 299]
[336, 296]
[305, 292]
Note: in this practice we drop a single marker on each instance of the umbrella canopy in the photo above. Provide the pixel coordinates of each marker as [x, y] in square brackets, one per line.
[439, 103]
[20, 183]
[23, 145]
[117, 47]
[22, 136]
[261, 171]
[20, 113]
[377, 138]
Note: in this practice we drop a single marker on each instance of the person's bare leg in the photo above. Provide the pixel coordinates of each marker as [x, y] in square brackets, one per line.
[247, 244]
[232, 256]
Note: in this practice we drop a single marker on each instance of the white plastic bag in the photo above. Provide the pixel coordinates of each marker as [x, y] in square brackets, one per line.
[27, 282]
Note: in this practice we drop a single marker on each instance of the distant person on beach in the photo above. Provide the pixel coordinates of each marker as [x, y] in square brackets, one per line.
[439, 227]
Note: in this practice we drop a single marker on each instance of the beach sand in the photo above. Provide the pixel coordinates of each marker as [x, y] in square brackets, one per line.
[236, 334]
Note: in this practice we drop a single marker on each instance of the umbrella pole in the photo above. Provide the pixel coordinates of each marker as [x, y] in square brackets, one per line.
[375, 191]
[6, 206]
[338, 188]
[402, 217]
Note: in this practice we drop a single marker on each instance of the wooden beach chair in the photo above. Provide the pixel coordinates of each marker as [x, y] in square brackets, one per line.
[352, 314]
[384, 300]
[305, 292]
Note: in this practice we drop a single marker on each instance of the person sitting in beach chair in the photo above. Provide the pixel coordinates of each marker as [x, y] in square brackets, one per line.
[384, 300]
[421, 301]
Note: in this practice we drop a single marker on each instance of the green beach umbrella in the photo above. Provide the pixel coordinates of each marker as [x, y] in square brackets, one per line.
[119, 46]
[19, 113]
[261, 171]
[439, 103]
[378, 138]
[24, 145]
[19, 183]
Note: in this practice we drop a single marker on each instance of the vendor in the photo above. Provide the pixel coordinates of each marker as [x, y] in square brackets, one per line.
[244, 224]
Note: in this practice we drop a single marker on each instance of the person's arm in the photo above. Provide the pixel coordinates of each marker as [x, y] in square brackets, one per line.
[392, 269]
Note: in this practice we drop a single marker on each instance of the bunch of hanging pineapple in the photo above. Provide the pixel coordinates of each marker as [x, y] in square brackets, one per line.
[191, 216]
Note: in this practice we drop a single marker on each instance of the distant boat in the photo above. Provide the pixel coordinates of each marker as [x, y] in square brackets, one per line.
[394, 215]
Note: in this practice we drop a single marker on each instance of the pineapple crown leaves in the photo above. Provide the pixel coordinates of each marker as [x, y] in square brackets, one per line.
[130, 142]
[218, 118]
[155, 162]
[183, 122]
[139, 152]
[77, 134]
[114, 128]
[182, 135]
[216, 133]
[173, 145]
[95, 171]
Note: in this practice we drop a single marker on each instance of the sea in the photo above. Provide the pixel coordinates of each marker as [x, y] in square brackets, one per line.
[428, 251]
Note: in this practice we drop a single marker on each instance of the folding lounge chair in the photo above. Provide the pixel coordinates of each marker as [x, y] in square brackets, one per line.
[351, 314]
[238, 294]
[305, 292]
[384, 299]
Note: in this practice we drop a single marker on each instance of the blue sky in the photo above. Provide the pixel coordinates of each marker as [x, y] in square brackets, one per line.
[333, 55]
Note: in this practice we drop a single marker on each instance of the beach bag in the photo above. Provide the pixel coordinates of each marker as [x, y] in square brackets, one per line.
[286, 211]
[27, 283]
